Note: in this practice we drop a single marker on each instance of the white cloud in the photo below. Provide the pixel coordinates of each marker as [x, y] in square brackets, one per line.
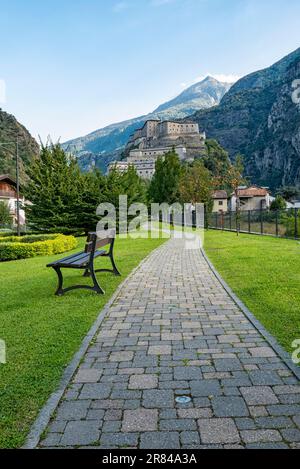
[2, 92]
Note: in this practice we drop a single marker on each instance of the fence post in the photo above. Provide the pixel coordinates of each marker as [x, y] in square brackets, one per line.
[296, 223]
[249, 221]
[261, 222]
[222, 220]
[230, 221]
[216, 220]
[194, 219]
[277, 227]
[206, 226]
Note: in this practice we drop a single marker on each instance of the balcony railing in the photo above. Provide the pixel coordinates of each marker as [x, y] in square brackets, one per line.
[10, 194]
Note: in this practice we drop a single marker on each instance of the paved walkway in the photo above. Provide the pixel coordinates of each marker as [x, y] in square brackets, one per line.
[174, 331]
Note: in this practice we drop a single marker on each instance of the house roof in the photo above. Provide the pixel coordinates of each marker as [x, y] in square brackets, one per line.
[6, 177]
[253, 191]
[219, 194]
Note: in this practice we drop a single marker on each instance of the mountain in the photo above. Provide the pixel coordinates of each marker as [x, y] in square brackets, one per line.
[202, 95]
[10, 129]
[259, 119]
[104, 145]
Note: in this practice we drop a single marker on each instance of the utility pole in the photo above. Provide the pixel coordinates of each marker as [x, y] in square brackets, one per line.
[18, 188]
[16, 143]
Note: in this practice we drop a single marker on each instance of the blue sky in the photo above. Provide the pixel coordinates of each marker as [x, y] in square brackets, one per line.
[71, 67]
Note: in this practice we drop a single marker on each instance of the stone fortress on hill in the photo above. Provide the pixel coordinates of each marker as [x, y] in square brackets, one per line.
[155, 139]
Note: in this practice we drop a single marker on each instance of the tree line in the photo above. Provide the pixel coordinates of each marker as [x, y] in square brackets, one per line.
[64, 199]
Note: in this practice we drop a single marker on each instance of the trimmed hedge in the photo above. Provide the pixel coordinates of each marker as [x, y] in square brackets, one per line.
[6, 232]
[14, 248]
[27, 238]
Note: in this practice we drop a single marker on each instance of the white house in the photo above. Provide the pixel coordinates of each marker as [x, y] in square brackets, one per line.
[8, 194]
[220, 201]
[251, 198]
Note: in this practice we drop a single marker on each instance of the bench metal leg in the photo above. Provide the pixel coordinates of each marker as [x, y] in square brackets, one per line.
[96, 286]
[114, 270]
[96, 289]
[59, 291]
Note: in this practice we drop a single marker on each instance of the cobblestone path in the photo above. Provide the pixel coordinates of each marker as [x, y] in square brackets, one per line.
[174, 331]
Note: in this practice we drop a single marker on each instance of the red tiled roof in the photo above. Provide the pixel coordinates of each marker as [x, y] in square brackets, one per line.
[252, 191]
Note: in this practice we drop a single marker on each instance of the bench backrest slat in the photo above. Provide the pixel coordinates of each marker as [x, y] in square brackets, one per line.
[98, 240]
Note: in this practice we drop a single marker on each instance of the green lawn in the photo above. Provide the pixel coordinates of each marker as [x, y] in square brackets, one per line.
[42, 332]
[265, 273]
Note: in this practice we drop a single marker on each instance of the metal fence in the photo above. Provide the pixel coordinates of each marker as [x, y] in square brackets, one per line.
[280, 223]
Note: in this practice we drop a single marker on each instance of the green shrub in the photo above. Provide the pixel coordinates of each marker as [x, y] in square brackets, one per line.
[27, 238]
[13, 248]
[6, 232]
[290, 226]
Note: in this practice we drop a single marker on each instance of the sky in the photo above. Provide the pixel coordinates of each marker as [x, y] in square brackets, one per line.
[68, 67]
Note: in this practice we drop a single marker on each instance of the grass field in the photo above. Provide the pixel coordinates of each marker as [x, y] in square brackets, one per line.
[42, 332]
[265, 273]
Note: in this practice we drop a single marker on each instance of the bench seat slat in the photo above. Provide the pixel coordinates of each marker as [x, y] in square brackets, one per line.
[83, 261]
[78, 255]
[77, 260]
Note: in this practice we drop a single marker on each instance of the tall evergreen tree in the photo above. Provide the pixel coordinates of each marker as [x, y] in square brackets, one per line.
[164, 186]
[62, 198]
[127, 183]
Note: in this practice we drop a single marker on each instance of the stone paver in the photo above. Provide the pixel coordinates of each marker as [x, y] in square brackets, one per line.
[218, 431]
[143, 381]
[140, 420]
[174, 331]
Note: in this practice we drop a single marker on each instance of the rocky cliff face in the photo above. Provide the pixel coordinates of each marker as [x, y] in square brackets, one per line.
[259, 119]
[10, 129]
[105, 145]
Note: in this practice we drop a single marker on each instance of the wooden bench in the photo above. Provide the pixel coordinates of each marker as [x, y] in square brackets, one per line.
[85, 261]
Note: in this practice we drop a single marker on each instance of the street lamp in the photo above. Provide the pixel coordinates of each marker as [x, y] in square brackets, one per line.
[17, 180]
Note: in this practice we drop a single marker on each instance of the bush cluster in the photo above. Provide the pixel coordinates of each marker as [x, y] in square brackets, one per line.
[12, 248]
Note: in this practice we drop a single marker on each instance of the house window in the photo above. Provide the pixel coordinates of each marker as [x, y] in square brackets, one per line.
[220, 202]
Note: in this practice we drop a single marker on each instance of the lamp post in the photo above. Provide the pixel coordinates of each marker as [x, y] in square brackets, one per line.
[16, 143]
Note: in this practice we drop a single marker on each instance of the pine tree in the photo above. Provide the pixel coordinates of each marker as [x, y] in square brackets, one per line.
[62, 198]
[278, 204]
[127, 183]
[164, 186]
[91, 189]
